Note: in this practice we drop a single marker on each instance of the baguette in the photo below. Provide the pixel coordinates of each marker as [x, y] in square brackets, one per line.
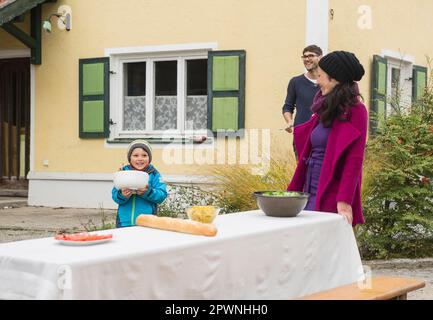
[176, 224]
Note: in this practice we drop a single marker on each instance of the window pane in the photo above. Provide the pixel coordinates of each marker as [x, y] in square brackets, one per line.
[395, 88]
[134, 111]
[165, 95]
[196, 71]
[196, 100]
[136, 79]
[395, 78]
[166, 78]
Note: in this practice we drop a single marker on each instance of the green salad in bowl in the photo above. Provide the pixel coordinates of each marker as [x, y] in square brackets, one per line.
[282, 193]
[281, 203]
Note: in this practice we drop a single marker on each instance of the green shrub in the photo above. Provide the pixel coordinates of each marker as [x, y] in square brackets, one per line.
[397, 186]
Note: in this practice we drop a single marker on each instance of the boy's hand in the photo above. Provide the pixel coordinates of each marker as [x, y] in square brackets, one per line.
[126, 193]
[140, 192]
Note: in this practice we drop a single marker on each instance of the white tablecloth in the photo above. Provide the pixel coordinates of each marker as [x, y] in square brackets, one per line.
[253, 256]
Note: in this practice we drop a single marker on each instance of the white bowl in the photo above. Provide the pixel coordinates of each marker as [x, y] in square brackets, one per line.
[130, 179]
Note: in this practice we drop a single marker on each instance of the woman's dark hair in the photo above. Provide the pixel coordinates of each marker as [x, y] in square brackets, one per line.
[338, 102]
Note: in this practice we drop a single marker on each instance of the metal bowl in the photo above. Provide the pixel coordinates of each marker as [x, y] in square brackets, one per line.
[282, 205]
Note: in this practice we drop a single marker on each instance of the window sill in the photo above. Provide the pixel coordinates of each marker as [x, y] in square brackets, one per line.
[164, 140]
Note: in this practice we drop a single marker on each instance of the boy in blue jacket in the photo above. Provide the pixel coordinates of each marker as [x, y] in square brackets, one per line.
[145, 200]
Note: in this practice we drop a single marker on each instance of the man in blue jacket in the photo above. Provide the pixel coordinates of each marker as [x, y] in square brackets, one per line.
[302, 89]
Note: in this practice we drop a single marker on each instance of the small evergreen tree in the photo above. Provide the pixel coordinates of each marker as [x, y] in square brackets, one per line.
[398, 186]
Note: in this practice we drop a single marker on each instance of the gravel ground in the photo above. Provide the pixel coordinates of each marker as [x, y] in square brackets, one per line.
[22, 223]
[8, 235]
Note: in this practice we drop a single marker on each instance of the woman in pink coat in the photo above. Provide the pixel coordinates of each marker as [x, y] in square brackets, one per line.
[332, 142]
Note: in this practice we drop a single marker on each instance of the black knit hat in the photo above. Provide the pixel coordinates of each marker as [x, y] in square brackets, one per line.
[342, 66]
[139, 144]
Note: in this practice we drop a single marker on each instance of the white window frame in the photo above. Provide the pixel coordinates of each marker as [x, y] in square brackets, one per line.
[151, 54]
[405, 63]
[404, 85]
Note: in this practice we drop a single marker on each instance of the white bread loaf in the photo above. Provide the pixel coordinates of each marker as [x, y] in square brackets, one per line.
[175, 224]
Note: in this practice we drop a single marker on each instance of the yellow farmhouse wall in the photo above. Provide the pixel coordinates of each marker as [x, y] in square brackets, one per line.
[272, 33]
[401, 26]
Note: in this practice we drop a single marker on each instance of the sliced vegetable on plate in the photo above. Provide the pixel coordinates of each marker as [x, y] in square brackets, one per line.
[83, 238]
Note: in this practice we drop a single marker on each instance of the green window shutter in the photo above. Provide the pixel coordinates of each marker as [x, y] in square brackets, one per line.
[419, 82]
[226, 92]
[378, 93]
[94, 94]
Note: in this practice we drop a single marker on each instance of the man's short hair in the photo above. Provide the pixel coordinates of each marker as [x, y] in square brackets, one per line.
[313, 48]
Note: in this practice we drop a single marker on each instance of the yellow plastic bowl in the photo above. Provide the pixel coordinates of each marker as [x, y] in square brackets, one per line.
[204, 214]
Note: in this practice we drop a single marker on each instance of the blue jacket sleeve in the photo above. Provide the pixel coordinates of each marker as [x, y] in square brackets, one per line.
[117, 196]
[289, 103]
[157, 191]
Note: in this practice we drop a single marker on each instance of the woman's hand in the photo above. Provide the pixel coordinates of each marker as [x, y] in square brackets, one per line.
[140, 192]
[345, 210]
[126, 193]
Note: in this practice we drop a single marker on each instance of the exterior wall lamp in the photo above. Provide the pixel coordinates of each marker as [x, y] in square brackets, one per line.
[65, 18]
